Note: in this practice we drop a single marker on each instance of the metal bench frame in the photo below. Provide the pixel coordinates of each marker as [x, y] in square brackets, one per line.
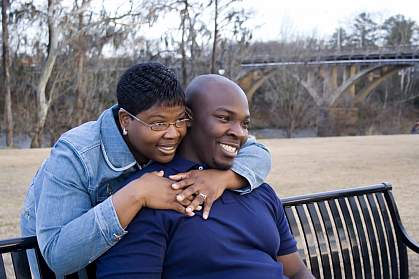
[351, 233]
[18, 247]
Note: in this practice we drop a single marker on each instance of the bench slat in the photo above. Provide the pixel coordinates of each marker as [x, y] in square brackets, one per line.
[371, 237]
[385, 268]
[351, 229]
[296, 232]
[21, 264]
[44, 270]
[361, 236]
[331, 239]
[390, 236]
[310, 241]
[2, 269]
[321, 241]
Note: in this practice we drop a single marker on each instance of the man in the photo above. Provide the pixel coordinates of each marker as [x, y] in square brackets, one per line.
[246, 236]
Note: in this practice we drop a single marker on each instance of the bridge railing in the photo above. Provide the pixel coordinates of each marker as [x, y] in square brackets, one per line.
[402, 52]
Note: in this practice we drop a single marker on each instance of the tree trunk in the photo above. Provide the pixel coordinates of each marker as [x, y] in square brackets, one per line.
[184, 15]
[79, 109]
[42, 103]
[214, 44]
[6, 75]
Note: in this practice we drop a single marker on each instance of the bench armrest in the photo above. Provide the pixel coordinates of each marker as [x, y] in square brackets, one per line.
[400, 229]
[407, 239]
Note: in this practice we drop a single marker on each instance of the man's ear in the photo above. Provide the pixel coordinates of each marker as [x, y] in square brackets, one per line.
[189, 112]
[189, 115]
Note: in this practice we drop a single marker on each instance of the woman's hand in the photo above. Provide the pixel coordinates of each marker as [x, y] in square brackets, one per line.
[206, 186]
[155, 191]
[150, 190]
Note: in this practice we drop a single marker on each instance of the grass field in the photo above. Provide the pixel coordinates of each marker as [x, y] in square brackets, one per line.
[300, 166]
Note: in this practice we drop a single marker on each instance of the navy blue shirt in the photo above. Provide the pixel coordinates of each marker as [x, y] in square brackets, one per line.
[241, 239]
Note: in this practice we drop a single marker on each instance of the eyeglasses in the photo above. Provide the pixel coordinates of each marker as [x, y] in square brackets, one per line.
[160, 126]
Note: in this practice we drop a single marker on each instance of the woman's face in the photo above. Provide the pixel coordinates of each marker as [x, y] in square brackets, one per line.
[148, 144]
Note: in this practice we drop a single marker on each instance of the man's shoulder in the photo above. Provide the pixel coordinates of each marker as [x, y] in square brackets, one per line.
[266, 189]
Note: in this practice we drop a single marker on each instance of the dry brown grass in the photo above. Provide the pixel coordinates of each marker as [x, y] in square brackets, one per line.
[299, 166]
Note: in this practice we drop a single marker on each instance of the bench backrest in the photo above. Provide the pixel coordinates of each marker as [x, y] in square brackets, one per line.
[18, 248]
[351, 233]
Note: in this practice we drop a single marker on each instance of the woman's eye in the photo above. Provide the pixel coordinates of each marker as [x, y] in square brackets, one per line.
[246, 124]
[160, 124]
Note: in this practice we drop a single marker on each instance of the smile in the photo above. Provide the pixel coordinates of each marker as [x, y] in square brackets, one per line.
[229, 148]
[168, 150]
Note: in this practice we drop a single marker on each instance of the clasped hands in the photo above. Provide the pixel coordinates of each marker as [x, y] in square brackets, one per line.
[185, 192]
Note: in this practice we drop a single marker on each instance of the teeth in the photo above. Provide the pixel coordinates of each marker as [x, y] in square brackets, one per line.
[229, 148]
[167, 148]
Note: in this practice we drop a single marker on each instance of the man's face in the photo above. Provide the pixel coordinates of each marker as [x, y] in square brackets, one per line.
[159, 146]
[219, 126]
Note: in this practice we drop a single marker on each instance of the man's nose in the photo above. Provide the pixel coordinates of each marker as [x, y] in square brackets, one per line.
[237, 130]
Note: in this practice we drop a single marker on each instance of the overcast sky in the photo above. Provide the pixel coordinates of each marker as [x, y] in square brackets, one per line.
[279, 18]
[321, 17]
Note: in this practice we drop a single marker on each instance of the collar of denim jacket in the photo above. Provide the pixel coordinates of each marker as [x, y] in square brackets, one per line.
[115, 151]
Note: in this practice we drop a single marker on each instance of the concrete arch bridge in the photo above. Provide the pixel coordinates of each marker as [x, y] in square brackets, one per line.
[337, 83]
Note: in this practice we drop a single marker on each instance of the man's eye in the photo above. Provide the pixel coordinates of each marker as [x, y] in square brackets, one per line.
[223, 118]
[246, 124]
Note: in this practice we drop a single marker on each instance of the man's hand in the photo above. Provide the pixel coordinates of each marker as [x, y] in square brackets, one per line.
[294, 268]
[206, 186]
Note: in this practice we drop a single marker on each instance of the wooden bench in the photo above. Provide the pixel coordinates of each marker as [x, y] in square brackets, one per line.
[350, 233]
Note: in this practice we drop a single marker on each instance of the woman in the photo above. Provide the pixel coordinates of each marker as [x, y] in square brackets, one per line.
[73, 204]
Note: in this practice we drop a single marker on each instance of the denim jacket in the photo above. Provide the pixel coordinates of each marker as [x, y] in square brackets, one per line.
[68, 204]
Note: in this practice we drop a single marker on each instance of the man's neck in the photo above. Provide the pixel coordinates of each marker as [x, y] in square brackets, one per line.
[187, 150]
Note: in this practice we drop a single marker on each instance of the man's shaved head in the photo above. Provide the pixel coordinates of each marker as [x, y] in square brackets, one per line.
[198, 89]
[220, 118]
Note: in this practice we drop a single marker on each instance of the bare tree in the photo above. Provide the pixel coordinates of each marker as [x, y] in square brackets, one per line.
[42, 102]
[226, 18]
[6, 74]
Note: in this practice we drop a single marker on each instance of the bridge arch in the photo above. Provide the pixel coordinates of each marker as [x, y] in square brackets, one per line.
[251, 80]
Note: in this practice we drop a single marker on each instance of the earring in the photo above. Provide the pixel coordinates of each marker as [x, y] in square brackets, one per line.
[124, 132]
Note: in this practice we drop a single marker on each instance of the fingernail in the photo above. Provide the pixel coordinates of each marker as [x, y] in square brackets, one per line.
[175, 186]
[188, 209]
[179, 197]
[199, 208]
[205, 216]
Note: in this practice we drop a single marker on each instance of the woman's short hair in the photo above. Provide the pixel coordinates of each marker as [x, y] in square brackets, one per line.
[146, 84]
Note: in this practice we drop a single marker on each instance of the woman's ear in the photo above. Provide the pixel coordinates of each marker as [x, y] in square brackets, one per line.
[124, 118]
